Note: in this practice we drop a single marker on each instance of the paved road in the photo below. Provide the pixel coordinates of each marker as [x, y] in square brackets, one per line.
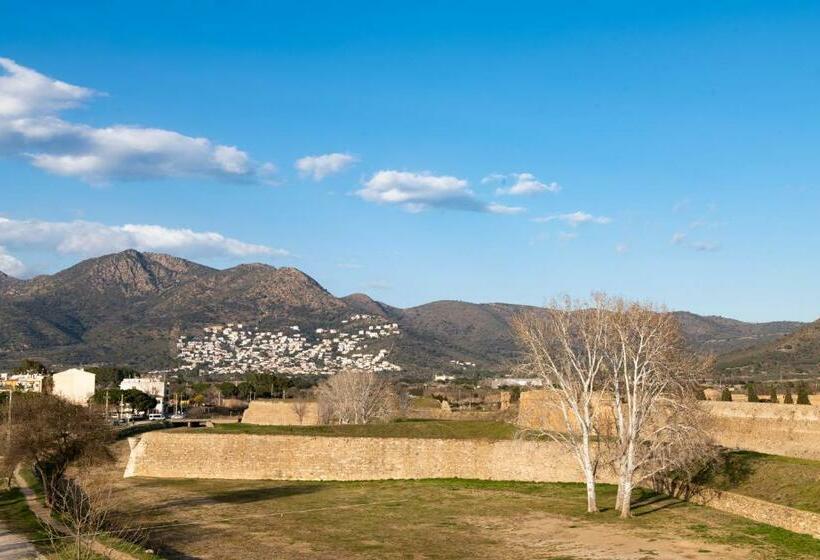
[14, 547]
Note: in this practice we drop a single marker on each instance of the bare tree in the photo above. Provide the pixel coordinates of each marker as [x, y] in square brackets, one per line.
[565, 345]
[355, 397]
[300, 408]
[651, 378]
[87, 515]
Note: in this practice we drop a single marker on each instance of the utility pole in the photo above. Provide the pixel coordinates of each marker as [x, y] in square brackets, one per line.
[8, 434]
[106, 404]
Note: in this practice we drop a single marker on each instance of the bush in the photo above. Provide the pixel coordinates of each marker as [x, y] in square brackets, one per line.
[773, 395]
[751, 392]
[787, 398]
[726, 395]
[803, 394]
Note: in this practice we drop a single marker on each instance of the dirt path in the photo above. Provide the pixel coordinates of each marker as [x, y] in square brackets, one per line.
[14, 547]
[538, 534]
[44, 515]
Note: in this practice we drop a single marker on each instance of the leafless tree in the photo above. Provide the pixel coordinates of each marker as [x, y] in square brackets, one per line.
[651, 379]
[355, 397]
[86, 516]
[565, 345]
[300, 408]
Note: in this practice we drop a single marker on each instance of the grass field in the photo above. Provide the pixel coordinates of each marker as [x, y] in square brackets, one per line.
[780, 480]
[437, 519]
[450, 429]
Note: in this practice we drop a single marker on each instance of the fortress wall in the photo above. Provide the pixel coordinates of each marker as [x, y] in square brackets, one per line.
[254, 457]
[761, 511]
[281, 413]
[779, 429]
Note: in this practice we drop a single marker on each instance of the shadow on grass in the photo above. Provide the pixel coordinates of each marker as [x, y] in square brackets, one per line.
[243, 496]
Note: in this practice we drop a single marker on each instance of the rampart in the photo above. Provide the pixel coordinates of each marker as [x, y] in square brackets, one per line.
[273, 457]
[282, 413]
[779, 429]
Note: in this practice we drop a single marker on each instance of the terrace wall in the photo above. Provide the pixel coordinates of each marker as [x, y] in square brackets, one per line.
[779, 429]
[274, 457]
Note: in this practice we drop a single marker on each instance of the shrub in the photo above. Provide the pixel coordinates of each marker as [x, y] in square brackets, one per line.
[751, 392]
[726, 395]
[787, 398]
[773, 395]
[803, 394]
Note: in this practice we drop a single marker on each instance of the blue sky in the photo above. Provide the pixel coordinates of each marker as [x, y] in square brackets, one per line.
[476, 151]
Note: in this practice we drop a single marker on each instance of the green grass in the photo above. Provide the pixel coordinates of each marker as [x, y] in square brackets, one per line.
[448, 429]
[442, 518]
[781, 480]
[18, 518]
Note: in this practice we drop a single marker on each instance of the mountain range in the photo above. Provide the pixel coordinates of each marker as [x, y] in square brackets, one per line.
[129, 308]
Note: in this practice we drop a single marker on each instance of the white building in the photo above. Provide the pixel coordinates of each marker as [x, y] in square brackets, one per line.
[498, 382]
[75, 385]
[24, 382]
[152, 385]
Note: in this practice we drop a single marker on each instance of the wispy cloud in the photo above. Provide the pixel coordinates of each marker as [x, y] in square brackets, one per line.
[682, 240]
[621, 248]
[416, 192]
[319, 167]
[30, 128]
[92, 238]
[519, 184]
[575, 219]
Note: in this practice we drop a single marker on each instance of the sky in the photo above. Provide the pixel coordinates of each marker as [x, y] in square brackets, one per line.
[419, 151]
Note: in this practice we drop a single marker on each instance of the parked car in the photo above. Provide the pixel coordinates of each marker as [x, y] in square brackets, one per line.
[156, 416]
[178, 416]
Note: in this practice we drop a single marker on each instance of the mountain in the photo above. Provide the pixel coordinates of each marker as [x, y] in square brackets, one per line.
[129, 309]
[794, 355]
[720, 335]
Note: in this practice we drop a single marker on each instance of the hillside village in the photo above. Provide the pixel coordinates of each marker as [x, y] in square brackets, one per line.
[236, 348]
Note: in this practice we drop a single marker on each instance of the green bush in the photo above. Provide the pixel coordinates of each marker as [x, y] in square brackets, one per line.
[803, 394]
[726, 395]
[751, 392]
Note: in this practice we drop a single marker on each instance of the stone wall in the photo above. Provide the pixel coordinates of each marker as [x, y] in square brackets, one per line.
[779, 429]
[254, 457]
[281, 413]
[761, 511]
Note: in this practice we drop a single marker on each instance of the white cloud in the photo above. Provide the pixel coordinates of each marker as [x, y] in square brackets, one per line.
[621, 248]
[93, 238]
[319, 167]
[575, 219]
[10, 264]
[31, 128]
[707, 246]
[682, 240]
[678, 238]
[519, 184]
[496, 208]
[416, 192]
[567, 235]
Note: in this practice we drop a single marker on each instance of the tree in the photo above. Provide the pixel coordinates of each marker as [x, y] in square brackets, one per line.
[50, 433]
[31, 366]
[787, 398]
[751, 392]
[773, 394]
[300, 408]
[139, 401]
[652, 378]
[803, 393]
[726, 395]
[565, 346]
[355, 397]
[245, 390]
[227, 389]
